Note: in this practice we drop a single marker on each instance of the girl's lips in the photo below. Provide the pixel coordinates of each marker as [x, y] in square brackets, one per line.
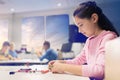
[84, 33]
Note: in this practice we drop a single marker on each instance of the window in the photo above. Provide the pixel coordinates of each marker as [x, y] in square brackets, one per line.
[57, 30]
[33, 31]
[54, 28]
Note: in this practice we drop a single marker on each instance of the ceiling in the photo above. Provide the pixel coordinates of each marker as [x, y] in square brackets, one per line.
[17, 6]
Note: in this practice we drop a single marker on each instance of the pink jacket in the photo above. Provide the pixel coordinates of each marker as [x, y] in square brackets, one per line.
[93, 54]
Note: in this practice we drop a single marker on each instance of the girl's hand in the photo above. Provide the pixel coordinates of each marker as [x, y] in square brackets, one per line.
[50, 64]
[57, 67]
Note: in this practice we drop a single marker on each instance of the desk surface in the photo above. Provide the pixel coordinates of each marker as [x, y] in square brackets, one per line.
[4, 74]
[23, 62]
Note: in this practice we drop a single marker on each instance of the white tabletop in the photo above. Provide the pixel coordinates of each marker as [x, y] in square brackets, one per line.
[4, 74]
[25, 61]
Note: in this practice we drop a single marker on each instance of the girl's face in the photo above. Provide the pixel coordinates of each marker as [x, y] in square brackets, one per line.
[86, 26]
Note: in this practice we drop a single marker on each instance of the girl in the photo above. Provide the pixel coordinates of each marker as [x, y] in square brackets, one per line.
[95, 25]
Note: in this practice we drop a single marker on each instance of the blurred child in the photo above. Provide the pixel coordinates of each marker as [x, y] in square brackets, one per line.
[49, 53]
[12, 51]
[4, 51]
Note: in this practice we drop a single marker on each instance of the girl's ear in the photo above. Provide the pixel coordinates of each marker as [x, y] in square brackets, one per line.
[94, 18]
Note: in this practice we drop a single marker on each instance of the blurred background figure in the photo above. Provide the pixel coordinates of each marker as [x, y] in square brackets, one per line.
[47, 52]
[4, 51]
[12, 51]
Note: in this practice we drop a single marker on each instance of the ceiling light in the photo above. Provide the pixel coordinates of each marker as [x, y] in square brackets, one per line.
[59, 4]
[12, 10]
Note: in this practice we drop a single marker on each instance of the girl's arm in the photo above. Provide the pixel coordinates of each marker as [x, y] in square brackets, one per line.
[81, 58]
[78, 60]
[67, 68]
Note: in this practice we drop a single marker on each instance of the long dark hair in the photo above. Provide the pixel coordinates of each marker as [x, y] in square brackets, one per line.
[86, 9]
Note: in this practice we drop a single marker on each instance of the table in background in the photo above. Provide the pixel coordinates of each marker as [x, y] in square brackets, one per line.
[23, 62]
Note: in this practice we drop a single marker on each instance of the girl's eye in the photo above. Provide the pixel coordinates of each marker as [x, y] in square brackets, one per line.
[80, 25]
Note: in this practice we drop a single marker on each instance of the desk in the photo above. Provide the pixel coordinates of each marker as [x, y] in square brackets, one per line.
[4, 74]
[23, 62]
[27, 56]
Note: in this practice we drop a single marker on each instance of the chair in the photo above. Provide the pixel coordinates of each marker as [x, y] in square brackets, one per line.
[70, 50]
[112, 58]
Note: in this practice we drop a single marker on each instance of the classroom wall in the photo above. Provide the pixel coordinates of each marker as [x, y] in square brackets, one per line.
[111, 10]
[9, 18]
[16, 21]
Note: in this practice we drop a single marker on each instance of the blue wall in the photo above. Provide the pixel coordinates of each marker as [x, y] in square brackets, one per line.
[112, 11]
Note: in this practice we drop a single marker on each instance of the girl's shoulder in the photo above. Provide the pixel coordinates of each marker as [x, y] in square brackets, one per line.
[109, 35]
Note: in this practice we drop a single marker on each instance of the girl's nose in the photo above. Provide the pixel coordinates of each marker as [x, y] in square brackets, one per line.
[80, 30]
